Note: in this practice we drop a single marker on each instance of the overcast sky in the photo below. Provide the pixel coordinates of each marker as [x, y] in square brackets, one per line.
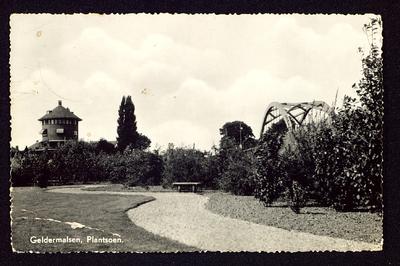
[187, 74]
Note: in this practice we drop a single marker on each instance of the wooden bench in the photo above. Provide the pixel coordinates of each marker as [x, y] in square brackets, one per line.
[53, 182]
[182, 185]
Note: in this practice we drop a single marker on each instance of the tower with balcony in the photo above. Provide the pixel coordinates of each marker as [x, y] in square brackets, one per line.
[58, 125]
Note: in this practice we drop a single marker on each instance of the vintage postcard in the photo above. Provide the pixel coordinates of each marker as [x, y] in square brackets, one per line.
[172, 133]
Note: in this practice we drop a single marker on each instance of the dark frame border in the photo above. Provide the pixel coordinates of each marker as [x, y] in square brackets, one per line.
[389, 10]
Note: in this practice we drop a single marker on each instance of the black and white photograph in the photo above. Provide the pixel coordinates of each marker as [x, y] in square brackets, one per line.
[166, 133]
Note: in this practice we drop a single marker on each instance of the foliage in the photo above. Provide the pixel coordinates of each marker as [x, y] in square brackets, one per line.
[268, 179]
[133, 167]
[370, 90]
[307, 159]
[22, 168]
[337, 164]
[76, 161]
[127, 129]
[28, 167]
[237, 177]
[235, 159]
[211, 169]
[143, 142]
[236, 133]
[358, 133]
[187, 164]
[142, 168]
[87, 162]
[105, 146]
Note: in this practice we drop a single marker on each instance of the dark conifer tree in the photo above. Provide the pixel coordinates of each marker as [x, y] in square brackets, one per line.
[127, 130]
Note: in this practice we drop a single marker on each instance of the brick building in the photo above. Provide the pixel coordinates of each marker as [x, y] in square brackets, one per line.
[58, 125]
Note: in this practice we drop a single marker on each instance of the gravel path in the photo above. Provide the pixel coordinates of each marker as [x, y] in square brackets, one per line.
[183, 217]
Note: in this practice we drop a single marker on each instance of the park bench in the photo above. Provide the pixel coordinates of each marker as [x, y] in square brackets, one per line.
[185, 185]
[54, 182]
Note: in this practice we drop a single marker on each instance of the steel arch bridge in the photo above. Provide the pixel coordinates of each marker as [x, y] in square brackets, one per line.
[294, 114]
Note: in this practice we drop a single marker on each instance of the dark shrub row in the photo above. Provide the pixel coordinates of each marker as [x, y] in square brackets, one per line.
[83, 162]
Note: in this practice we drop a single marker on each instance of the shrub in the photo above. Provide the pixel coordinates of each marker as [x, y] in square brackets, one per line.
[187, 164]
[22, 168]
[75, 162]
[238, 174]
[268, 177]
[135, 167]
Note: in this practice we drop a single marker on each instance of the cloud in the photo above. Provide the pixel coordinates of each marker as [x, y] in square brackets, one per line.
[186, 80]
[157, 77]
[250, 95]
[95, 51]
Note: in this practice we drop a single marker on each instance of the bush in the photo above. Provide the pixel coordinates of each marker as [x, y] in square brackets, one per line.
[238, 174]
[326, 163]
[76, 162]
[134, 167]
[22, 168]
[187, 164]
[268, 178]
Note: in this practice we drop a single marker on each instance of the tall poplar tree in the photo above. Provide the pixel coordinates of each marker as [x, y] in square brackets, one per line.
[127, 130]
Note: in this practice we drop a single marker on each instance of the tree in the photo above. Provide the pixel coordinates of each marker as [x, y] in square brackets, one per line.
[268, 180]
[371, 96]
[237, 177]
[76, 161]
[105, 146]
[239, 133]
[127, 129]
[235, 164]
[370, 91]
[143, 142]
[184, 164]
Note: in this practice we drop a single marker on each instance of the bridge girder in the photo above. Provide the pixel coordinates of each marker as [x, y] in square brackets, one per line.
[294, 114]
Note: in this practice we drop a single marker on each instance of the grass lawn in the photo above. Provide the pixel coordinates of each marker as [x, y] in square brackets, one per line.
[359, 226]
[37, 213]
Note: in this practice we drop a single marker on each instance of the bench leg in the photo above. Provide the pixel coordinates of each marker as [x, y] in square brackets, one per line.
[194, 188]
[179, 188]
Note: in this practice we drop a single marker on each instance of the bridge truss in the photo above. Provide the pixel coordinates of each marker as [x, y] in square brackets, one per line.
[294, 114]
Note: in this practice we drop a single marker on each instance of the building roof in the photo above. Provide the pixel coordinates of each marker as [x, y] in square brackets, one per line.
[59, 112]
[35, 146]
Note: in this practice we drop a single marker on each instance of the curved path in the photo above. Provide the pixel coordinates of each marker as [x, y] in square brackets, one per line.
[183, 217]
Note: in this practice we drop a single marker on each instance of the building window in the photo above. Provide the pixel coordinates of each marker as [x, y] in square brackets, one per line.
[76, 133]
[60, 131]
[75, 122]
[52, 121]
[43, 132]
